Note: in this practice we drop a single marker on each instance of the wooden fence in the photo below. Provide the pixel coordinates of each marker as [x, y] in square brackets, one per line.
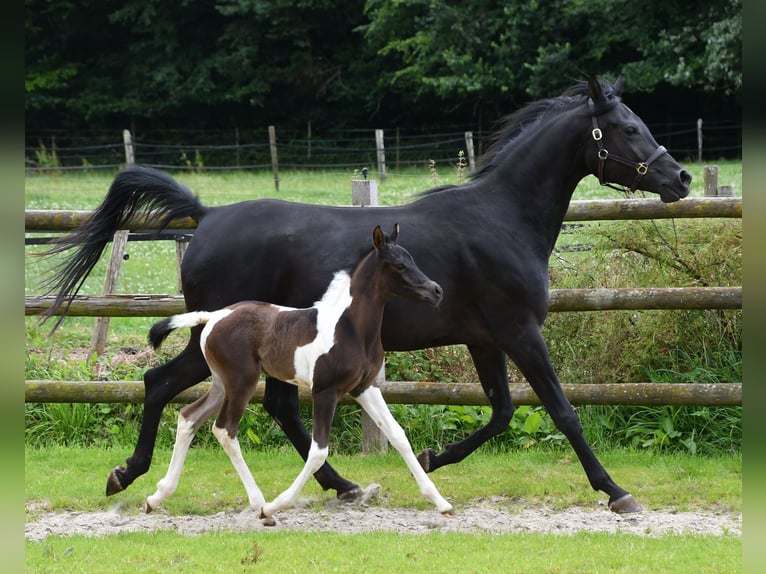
[433, 392]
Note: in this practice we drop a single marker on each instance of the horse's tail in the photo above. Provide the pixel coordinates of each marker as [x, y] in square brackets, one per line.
[136, 187]
[161, 329]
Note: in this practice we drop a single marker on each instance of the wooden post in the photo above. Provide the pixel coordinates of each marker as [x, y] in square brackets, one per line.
[180, 252]
[710, 174]
[274, 162]
[98, 340]
[127, 140]
[381, 155]
[469, 151]
[699, 140]
[364, 192]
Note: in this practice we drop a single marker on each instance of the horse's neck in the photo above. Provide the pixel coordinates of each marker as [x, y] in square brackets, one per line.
[541, 173]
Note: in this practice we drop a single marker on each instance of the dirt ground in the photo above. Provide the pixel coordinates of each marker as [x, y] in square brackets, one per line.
[480, 516]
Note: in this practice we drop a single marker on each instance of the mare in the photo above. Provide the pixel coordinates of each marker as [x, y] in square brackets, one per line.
[332, 348]
[487, 242]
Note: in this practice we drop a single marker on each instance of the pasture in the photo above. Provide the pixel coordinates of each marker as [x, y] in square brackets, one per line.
[655, 466]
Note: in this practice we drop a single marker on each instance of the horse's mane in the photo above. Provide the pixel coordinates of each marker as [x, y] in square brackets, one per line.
[515, 126]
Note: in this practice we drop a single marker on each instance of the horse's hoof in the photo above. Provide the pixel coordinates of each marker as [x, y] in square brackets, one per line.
[424, 458]
[625, 505]
[147, 508]
[449, 513]
[113, 484]
[268, 521]
[351, 495]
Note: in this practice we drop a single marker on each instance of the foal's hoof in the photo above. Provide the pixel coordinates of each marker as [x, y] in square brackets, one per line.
[424, 458]
[625, 505]
[113, 484]
[449, 513]
[147, 508]
[267, 520]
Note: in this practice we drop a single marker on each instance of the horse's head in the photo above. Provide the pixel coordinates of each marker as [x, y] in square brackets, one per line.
[400, 274]
[624, 150]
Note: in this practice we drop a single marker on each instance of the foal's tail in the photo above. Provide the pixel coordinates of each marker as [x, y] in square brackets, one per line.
[135, 188]
[161, 329]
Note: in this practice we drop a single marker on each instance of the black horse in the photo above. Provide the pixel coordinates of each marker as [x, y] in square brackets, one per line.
[494, 234]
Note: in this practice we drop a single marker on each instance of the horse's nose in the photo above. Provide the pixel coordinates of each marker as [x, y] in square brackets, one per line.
[685, 177]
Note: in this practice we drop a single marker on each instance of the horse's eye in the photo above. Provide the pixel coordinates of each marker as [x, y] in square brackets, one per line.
[631, 129]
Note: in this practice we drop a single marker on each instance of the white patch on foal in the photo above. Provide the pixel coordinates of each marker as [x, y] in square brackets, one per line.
[330, 307]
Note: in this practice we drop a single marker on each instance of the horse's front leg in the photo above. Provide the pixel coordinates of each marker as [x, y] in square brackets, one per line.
[281, 401]
[493, 374]
[530, 353]
[372, 401]
[324, 404]
[161, 384]
[190, 419]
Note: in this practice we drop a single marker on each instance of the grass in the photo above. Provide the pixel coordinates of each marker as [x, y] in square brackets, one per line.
[522, 480]
[384, 553]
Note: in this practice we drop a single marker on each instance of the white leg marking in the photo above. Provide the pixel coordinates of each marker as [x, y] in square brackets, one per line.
[316, 458]
[372, 401]
[231, 446]
[167, 485]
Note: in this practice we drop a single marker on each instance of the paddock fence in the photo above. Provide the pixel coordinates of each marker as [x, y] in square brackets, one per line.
[424, 392]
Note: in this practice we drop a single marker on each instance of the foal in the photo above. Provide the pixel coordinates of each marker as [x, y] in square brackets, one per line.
[332, 348]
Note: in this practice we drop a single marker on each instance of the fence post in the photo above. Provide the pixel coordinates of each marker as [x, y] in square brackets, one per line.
[274, 163]
[469, 151]
[710, 175]
[699, 140]
[381, 154]
[98, 340]
[364, 192]
[127, 140]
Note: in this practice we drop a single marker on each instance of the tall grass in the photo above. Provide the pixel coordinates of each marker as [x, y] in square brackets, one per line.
[655, 346]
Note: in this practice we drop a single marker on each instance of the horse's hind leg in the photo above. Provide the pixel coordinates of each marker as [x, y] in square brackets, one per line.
[324, 404]
[281, 402]
[161, 384]
[371, 400]
[190, 419]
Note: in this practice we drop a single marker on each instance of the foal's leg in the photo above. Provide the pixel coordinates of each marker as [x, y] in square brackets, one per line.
[280, 400]
[226, 429]
[324, 404]
[190, 419]
[371, 400]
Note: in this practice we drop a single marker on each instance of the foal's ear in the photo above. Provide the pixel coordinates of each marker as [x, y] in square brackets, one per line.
[377, 238]
[594, 89]
[395, 233]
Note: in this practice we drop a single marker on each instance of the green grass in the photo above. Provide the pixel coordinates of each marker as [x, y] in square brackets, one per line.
[385, 553]
[523, 480]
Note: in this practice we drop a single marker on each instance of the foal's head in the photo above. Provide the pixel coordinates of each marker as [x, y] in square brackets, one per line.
[399, 275]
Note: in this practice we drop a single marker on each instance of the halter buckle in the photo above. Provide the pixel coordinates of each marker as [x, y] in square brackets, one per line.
[642, 168]
[603, 154]
[597, 135]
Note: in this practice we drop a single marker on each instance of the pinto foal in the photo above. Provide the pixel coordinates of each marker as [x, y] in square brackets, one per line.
[332, 348]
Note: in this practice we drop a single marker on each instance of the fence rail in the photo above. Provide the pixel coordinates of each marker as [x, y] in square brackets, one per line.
[717, 394]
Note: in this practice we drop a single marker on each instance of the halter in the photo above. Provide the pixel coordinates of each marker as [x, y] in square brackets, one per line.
[641, 167]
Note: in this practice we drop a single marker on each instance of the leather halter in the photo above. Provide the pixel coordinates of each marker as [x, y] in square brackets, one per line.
[641, 167]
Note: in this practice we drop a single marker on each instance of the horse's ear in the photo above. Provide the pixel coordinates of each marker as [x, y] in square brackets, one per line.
[619, 83]
[594, 89]
[377, 237]
[395, 233]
